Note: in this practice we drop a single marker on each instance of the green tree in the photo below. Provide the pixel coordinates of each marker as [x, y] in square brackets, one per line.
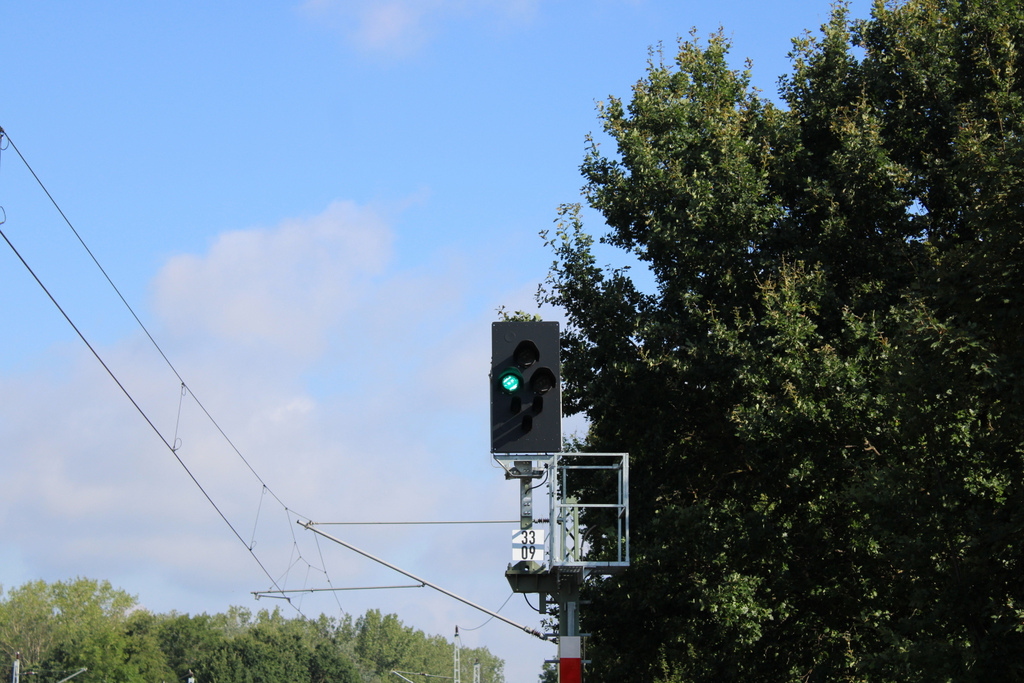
[382, 641]
[26, 624]
[64, 626]
[90, 619]
[191, 643]
[68, 625]
[237, 646]
[821, 390]
[384, 644]
[143, 651]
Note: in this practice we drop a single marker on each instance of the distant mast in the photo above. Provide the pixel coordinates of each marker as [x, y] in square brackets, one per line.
[16, 668]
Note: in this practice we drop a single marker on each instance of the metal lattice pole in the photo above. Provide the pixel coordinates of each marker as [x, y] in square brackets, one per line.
[458, 664]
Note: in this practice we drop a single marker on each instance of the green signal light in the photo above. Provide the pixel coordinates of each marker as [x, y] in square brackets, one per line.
[511, 380]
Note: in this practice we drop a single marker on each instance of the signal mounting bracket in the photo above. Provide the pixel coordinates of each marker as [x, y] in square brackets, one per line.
[524, 469]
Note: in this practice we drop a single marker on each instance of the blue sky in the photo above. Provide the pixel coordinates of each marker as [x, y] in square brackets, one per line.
[316, 209]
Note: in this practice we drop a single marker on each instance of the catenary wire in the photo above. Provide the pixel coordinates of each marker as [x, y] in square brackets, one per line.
[134, 403]
[134, 315]
[172, 445]
[488, 619]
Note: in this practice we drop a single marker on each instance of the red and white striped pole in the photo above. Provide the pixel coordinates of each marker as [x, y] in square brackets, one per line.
[570, 665]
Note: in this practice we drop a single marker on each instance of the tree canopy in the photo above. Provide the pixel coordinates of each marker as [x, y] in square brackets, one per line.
[61, 627]
[817, 363]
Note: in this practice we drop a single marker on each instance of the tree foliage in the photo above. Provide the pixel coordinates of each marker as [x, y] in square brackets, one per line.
[61, 627]
[821, 391]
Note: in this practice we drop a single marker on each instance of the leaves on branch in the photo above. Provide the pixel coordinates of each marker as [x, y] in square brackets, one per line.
[823, 391]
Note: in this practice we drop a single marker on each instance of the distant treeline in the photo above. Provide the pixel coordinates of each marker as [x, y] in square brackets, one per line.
[62, 627]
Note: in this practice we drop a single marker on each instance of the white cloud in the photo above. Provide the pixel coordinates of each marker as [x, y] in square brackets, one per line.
[392, 25]
[353, 386]
[400, 28]
[285, 286]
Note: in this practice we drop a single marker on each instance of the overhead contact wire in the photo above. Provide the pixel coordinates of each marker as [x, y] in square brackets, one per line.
[136, 317]
[170, 446]
[127, 394]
